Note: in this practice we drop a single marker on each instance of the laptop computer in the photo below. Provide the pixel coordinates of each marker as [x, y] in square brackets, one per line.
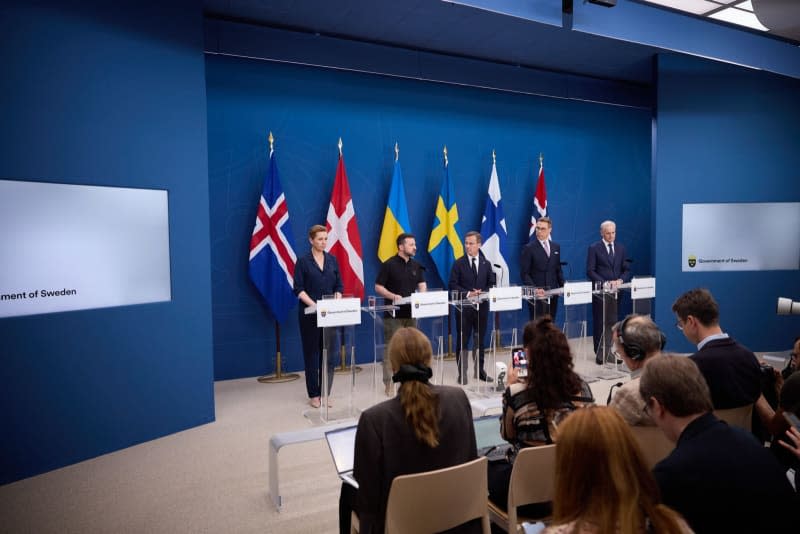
[342, 444]
[488, 439]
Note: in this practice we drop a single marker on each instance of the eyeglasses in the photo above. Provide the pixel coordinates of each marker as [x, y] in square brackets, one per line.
[679, 325]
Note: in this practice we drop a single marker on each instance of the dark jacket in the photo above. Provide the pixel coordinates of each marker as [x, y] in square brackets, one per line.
[731, 371]
[722, 480]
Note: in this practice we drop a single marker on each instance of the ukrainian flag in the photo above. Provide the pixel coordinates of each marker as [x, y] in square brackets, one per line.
[395, 220]
[445, 245]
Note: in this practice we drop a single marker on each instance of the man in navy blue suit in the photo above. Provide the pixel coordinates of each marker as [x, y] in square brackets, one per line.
[718, 477]
[471, 275]
[606, 262]
[540, 265]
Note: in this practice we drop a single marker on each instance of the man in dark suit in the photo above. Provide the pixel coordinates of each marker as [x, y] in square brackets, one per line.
[471, 275]
[606, 262]
[719, 478]
[540, 265]
[731, 370]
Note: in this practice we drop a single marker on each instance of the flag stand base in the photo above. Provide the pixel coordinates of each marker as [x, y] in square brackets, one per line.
[279, 378]
[343, 370]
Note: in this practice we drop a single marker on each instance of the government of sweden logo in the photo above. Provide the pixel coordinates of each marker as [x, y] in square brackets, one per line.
[692, 260]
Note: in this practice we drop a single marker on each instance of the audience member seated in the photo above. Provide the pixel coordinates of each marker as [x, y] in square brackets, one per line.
[636, 340]
[718, 477]
[775, 422]
[425, 427]
[534, 407]
[731, 371]
[602, 482]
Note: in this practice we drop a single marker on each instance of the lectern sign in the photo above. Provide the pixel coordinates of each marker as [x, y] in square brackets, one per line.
[338, 312]
[643, 288]
[577, 293]
[505, 298]
[429, 304]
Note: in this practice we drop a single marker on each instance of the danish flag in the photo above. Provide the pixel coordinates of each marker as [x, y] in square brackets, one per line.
[272, 256]
[344, 241]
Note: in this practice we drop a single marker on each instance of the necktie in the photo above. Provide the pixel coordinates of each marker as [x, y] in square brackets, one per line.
[611, 251]
[546, 245]
[474, 268]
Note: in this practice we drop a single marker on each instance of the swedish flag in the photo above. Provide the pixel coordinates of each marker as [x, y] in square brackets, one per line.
[445, 245]
[395, 220]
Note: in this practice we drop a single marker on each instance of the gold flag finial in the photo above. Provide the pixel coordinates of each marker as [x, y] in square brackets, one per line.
[340, 146]
[396, 151]
[271, 139]
[494, 157]
[445, 155]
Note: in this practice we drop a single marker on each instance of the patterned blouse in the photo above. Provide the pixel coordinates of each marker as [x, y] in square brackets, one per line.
[523, 424]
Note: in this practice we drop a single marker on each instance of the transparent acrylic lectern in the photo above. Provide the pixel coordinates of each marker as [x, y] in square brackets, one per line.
[336, 320]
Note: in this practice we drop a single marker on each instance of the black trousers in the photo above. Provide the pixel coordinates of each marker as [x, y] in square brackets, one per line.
[313, 340]
[469, 322]
[601, 326]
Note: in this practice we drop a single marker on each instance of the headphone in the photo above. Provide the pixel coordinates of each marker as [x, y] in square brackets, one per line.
[633, 350]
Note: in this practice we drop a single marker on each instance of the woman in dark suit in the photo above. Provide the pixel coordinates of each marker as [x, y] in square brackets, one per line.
[426, 427]
[316, 274]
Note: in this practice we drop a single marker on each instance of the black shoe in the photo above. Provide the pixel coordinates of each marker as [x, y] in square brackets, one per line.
[461, 381]
[485, 378]
[598, 362]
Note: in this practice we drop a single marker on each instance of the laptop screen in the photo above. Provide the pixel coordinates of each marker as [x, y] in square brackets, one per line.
[342, 443]
[487, 432]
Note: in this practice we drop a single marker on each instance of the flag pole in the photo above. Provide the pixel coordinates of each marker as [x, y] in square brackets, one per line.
[496, 315]
[450, 354]
[343, 368]
[279, 376]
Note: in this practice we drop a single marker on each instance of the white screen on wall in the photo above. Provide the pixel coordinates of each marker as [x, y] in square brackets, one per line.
[76, 247]
[757, 236]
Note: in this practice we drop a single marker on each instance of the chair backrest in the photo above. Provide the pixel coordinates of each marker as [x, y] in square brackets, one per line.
[532, 479]
[741, 416]
[439, 500]
[654, 444]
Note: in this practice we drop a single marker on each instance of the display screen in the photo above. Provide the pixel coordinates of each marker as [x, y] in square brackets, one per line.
[76, 247]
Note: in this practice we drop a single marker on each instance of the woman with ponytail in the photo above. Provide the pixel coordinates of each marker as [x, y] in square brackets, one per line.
[533, 407]
[425, 427]
[602, 482]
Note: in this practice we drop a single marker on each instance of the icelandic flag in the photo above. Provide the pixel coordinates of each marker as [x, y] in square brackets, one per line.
[272, 256]
[395, 220]
[344, 241]
[493, 229]
[539, 200]
[445, 245]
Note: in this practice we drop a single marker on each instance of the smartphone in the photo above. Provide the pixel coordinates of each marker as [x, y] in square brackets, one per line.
[793, 419]
[519, 361]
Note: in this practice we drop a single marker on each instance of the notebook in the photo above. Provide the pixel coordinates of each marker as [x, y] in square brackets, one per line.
[342, 444]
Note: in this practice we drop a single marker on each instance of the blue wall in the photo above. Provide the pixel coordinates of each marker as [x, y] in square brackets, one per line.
[597, 166]
[724, 134]
[107, 94]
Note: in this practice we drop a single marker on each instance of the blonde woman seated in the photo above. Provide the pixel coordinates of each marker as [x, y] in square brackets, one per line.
[425, 427]
[602, 483]
[533, 408]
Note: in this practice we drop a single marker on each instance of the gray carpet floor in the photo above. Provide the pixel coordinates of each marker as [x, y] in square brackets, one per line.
[211, 478]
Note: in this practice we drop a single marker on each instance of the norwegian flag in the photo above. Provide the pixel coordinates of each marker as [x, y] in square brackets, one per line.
[272, 256]
[344, 241]
[539, 200]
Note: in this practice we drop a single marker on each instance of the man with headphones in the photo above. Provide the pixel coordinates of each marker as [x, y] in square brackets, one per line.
[636, 340]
